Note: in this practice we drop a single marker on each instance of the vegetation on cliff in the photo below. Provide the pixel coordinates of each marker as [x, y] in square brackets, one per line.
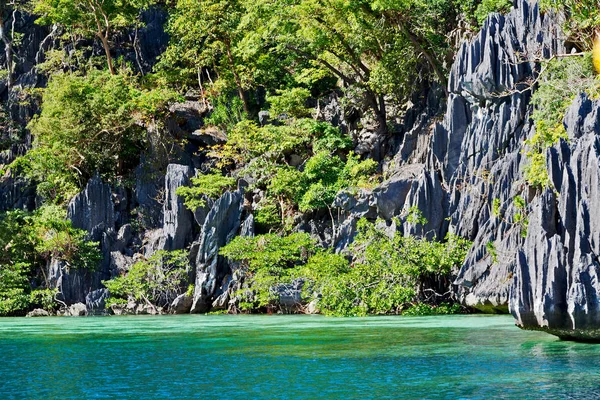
[99, 114]
[385, 273]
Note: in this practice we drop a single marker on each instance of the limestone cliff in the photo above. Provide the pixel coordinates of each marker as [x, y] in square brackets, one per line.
[459, 159]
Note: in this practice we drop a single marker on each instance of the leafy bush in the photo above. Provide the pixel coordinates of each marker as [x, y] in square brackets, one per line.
[325, 175]
[204, 186]
[386, 276]
[88, 124]
[227, 112]
[34, 238]
[387, 272]
[157, 280]
[428, 309]
[487, 7]
[14, 288]
[290, 102]
[54, 237]
[248, 141]
[269, 252]
[560, 82]
[267, 216]
[29, 241]
[268, 260]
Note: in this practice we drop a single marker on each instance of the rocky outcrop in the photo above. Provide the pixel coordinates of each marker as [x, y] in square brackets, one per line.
[91, 210]
[477, 149]
[556, 282]
[221, 225]
[38, 312]
[178, 223]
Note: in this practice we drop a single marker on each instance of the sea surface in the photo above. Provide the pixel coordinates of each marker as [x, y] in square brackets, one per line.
[290, 357]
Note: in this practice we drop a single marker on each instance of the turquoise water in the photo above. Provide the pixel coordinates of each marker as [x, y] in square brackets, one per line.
[289, 357]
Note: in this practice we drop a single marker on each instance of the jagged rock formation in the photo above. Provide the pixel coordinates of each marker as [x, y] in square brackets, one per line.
[91, 210]
[556, 282]
[461, 172]
[178, 220]
[476, 152]
[213, 273]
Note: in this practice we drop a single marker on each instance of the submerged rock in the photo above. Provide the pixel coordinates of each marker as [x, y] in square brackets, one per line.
[76, 310]
[182, 304]
[38, 312]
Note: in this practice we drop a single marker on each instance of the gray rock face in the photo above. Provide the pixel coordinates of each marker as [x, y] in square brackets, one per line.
[477, 150]
[178, 220]
[290, 296]
[537, 256]
[182, 304]
[221, 225]
[76, 310]
[556, 282]
[92, 209]
[95, 302]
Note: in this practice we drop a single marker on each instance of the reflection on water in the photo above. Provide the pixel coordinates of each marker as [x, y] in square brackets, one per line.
[290, 357]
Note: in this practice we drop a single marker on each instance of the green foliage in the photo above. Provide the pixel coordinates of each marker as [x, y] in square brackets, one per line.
[326, 175]
[267, 216]
[211, 186]
[54, 237]
[157, 280]
[496, 207]
[28, 241]
[268, 260]
[290, 102]
[487, 7]
[91, 17]
[385, 276]
[583, 20]
[415, 216]
[491, 249]
[388, 271]
[428, 309]
[248, 141]
[560, 82]
[227, 112]
[35, 238]
[322, 266]
[43, 298]
[269, 252]
[88, 124]
[287, 184]
[14, 288]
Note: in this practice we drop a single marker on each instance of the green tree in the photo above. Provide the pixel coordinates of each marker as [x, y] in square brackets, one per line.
[205, 34]
[28, 241]
[156, 281]
[101, 18]
[267, 261]
[380, 48]
[211, 185]
[88, 124]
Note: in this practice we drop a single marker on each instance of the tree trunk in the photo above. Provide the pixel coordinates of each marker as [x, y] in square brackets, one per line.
[109, 61]
[238, 81]
[377, 104]
[428, 56]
